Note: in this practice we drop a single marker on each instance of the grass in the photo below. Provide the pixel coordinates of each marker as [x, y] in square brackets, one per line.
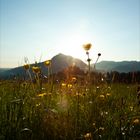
[68, 112]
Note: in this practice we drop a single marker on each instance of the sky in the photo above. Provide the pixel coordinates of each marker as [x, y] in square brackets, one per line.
[40, 29]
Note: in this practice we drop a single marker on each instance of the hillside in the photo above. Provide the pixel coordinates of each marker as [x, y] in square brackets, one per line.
[59, 62]
[123, 66]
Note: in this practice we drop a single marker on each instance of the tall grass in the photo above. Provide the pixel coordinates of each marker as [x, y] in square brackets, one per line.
[107, 112]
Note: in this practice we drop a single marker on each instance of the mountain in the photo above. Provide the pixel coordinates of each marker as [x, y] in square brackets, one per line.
[123, 66]
[62, 61]
[59, 62]
[4, 69]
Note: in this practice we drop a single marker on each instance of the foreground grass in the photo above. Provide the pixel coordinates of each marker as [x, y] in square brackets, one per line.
[68, 112]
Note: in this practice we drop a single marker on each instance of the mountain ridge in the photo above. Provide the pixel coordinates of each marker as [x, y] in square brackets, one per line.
[59, 62]
[62, 61]
[121, 66]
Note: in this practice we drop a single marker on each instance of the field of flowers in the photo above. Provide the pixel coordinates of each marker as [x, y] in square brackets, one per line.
[68, 111]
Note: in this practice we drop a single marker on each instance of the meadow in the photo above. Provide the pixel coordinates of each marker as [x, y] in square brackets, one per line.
[70, 107]
[68, 110]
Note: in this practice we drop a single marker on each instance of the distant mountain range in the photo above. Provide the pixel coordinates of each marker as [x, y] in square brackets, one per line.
[4, 69]
[123, 66]
[61, 61]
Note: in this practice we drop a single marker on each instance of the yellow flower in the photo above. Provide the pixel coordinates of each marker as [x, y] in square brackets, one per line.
[69, 85]
[102, 96]
[108, 94]
[37, 104]
[26, 66]
[78, 94]
[47, 63]
[36, 69]
[87, 46]
[41, 94]
[63, 84]
[87, 136]
[136, 121]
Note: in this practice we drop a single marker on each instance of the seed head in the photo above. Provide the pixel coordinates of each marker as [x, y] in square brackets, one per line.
[99, 54]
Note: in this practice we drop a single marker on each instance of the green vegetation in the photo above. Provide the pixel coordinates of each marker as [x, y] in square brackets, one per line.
[68, 111]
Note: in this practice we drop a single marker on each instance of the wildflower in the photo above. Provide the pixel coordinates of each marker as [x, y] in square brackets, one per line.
[47, 63]
[78, 94]
[102, 96]
[123, 133]
[41, 94]
[63, 84]
[87, 46]
[36, 69]
[109, 87]
[69, 85]
[108, 94]
[97, 87]
[26, 66]
[136, 121]
[37, 104]
[106, 113]
[87, 136]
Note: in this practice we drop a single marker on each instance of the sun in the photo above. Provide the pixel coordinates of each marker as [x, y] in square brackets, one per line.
[73, 45]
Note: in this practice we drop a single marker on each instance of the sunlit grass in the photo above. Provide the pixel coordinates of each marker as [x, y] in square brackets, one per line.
[68, 112]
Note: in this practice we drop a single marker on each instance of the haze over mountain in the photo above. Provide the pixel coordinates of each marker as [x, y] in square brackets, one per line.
[123, 66]
[61, 61]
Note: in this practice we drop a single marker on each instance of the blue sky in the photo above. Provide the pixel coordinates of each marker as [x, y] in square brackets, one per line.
[40, 29]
